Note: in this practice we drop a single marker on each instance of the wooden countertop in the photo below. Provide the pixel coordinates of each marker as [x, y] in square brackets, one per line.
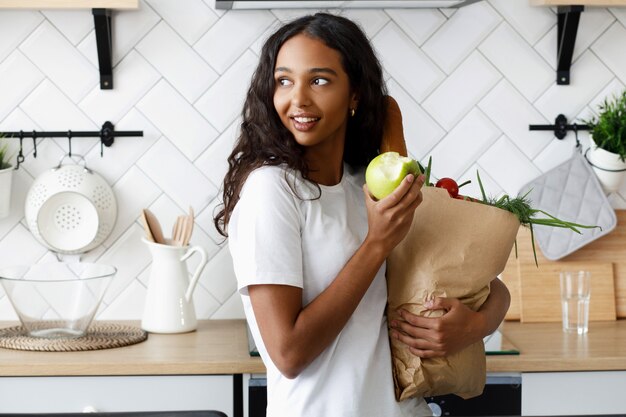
[544, 347]
[221, 347]
[217, 347]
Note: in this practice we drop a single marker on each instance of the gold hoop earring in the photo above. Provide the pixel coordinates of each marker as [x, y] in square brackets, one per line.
[352, 111]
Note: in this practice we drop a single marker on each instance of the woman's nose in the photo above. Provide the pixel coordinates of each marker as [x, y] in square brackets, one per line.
[300, 96]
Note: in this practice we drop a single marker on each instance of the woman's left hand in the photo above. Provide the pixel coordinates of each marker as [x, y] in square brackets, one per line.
[429, 337]
[457, 328]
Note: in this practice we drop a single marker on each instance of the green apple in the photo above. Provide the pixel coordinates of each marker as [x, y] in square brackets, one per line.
[385, 172]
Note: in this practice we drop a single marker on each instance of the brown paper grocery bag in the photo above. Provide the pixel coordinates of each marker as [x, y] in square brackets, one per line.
[453, 249]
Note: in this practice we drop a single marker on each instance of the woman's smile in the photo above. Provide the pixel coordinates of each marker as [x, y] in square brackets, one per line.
[304, 122]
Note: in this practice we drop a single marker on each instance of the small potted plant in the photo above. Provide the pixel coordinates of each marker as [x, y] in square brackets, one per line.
[6, 177]
[607, 153]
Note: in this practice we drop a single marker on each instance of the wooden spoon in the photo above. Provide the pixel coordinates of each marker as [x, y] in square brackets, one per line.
[154, 225]
[177, 231]
[190, 222]
[146, 226]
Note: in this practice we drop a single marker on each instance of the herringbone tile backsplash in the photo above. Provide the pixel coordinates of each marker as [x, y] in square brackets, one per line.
[469, 82]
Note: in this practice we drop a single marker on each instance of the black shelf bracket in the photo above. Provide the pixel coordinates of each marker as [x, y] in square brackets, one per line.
[560, 127]
[567, 27]
[102, 24]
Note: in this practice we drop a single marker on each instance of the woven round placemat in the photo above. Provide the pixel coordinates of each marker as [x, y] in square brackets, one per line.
[100, 335]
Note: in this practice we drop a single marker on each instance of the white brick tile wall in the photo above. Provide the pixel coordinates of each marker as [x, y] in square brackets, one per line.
[589, 76]
[177, 119]
[227, 39]
[134, 78]
[517, 61]
[467, 84]
[406, 63]
[191, 20]
[531, 23]
[370, 20]
[182, 66]
[504, 156]
[514, 118]
[176, 176]
[16, 26]
[222, 103]
[461, 34]
[468, 81]
[75, 25]
[18, 77]
[60, 61]
[418, 24]
[421, 132]
[465, 143]
[609, 48]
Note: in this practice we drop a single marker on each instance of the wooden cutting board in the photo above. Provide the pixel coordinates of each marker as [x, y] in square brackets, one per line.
[610, 248]
[540, 298]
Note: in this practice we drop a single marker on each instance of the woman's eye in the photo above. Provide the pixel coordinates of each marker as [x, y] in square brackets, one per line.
[284, 81]
[320, 81]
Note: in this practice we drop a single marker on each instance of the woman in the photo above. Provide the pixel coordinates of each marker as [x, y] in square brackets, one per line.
[309, 242]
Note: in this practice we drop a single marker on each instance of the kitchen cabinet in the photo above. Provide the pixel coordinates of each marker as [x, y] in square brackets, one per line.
[573, 393]
[116, 393]
[199, 370]
[561, 373]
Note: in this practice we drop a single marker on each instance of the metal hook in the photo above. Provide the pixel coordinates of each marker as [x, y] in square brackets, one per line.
[575, 129]
[20, 155]
[69, 141]
[34, 147]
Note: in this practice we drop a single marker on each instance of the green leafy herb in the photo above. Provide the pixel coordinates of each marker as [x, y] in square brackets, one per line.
[527, 216]
[4, 157]
[609, 128]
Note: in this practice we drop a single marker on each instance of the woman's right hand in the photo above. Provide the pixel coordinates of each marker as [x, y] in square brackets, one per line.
[390, 218]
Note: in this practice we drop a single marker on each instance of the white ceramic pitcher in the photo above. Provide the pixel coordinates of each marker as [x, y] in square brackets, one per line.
[169, 303]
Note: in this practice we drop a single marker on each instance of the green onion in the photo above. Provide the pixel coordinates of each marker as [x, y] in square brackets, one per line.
[520, 207]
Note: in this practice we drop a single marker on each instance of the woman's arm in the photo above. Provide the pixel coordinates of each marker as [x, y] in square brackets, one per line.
[458, 328]
[295, 335]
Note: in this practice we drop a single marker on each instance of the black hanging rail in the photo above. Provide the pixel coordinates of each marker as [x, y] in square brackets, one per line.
[560, 127]
[107, 136]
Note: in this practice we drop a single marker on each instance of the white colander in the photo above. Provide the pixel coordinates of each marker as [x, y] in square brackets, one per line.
[70, 209]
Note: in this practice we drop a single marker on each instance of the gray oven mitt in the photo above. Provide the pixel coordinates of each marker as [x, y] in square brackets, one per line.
[570, 192]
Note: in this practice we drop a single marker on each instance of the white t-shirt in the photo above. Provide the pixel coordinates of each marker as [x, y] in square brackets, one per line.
[277, 238]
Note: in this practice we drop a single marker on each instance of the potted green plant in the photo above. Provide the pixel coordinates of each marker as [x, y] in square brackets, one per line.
[607, 151]
[6, 178]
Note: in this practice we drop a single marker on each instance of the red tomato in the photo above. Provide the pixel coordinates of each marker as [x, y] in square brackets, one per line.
[450, 185]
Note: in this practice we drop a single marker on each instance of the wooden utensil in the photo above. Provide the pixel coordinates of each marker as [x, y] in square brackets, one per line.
[154, 225]
[146, 226]
[178, 231]
[190, 220]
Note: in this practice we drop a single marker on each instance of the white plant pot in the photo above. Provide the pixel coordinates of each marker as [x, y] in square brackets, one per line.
[608, 166]
[6, 178]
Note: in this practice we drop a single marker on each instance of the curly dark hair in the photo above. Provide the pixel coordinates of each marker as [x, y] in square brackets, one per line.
[264, 140]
